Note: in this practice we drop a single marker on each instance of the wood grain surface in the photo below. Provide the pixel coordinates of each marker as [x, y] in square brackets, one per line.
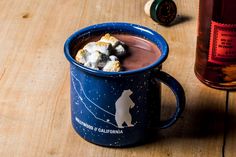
[34, 82]
[230, 130]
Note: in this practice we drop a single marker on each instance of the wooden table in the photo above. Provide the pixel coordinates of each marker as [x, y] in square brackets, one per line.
[34, 83]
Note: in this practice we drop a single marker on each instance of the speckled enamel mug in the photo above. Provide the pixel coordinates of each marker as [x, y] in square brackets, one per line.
[119, 109]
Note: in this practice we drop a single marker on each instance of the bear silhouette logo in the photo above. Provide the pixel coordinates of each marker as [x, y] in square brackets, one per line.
[123, 106]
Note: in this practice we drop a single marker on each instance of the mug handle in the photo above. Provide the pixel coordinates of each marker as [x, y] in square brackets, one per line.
[178, 90]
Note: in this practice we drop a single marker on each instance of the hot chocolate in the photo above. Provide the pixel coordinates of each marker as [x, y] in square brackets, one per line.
[141, 52]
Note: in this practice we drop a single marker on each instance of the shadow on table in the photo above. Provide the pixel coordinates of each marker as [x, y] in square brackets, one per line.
[230, 123]
[207, 121]
[180, 19]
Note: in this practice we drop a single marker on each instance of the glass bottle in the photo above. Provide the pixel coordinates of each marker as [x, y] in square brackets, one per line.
[215, 63]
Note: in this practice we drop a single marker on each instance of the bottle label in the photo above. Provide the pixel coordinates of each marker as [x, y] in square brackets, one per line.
[222, 43]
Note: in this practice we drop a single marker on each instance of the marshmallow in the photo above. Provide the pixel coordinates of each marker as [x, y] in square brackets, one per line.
[101, 47]
[89, 47]
[118, 46]
[102, 54]
[81, 56]
[112, 66]
[113, 58]
[120, 50]
[110, 39]
[92, 60]
[103, 61]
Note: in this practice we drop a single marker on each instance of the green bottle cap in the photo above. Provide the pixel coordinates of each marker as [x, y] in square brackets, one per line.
[163, 11]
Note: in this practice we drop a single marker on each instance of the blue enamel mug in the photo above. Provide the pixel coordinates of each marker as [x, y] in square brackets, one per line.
[119, 109]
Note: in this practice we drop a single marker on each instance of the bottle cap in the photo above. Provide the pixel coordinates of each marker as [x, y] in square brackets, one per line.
[163, 11]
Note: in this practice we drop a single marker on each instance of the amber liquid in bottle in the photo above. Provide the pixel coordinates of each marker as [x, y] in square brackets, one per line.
[215, 63]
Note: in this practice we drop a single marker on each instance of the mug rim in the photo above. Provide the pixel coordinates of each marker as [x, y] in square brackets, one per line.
[141, 31]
